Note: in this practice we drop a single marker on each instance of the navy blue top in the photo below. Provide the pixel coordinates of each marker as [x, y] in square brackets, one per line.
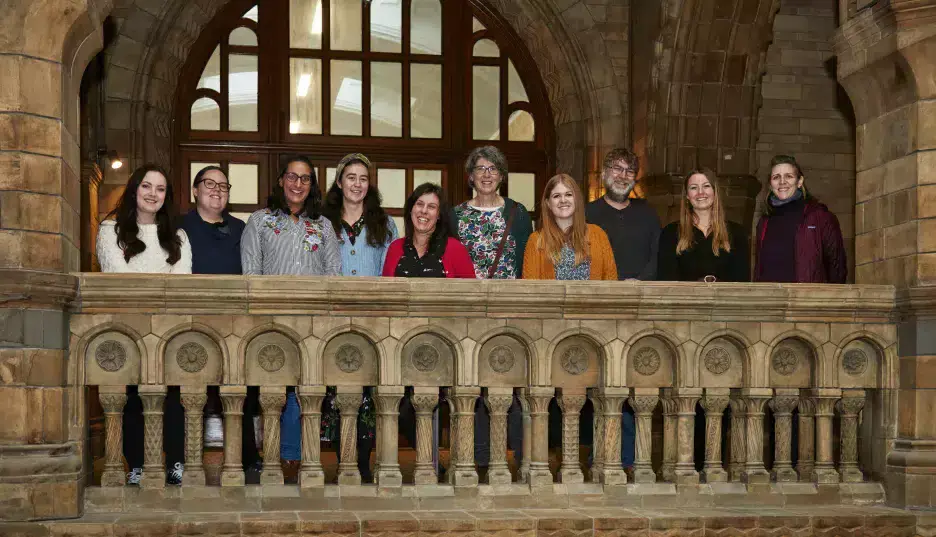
[215, 247]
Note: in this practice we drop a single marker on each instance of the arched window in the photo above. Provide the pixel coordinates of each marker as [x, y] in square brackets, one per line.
[413, 84]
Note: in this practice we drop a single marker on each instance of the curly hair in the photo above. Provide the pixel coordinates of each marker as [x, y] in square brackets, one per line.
[313, 203]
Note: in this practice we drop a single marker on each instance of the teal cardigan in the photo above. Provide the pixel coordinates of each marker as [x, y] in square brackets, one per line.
[520, 229]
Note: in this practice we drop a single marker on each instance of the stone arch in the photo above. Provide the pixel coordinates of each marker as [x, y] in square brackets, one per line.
[128, 377]
[488, 375]
[180, 330]
[744, 349]
[465, 369]
[365, 337]
[819, 371]
[294, 361]
[876, 355]
[545, 372]
[679, 359]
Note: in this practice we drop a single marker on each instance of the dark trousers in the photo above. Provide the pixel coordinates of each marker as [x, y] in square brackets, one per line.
[249, 454]
[173, 429]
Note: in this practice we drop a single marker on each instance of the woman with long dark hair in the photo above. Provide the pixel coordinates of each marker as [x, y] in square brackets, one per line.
[430, 248]
[363, 228]
[290, 236]
[702, 245]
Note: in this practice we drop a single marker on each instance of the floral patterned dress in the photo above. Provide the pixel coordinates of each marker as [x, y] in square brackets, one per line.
[481, 230]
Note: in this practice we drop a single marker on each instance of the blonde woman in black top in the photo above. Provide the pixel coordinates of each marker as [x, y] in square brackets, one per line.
[702, 245]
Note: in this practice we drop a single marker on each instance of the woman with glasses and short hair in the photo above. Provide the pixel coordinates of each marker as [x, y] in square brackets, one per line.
[215, 234]
[290, 236]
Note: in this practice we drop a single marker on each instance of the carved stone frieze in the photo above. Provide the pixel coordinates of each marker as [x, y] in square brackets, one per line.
[575, 360]
[501, 359]
[855, 362]
[271, 358]
[646, 361]
[717, 360]
[111, 355]
[349, 358]
[192, 357]
[785, 361]
[425, 357]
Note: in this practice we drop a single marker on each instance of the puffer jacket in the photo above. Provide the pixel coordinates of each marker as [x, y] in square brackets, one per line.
[820, 249]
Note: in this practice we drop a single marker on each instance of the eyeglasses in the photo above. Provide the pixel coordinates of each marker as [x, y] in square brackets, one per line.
[630, 174]
[291, 177]
[481, 170]
[212, 184]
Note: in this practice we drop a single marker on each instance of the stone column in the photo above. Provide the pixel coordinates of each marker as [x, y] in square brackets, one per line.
[849, 406]
[738, 453]
[462, 472]
[755, 400]
[668, 468]
[232, 399]
[424, 402]
[388, 419]
[113, 399]
[597, 435]
[686, 399]
[348, 399]
[154, 471]
[826, 398]
[806, 451]
[714, 403]
[612, 406]
[782, 405]
[272, 401]
[643, 402]
[193, 400]
[498, 401]
[571, 405]
[538, 400]
[311, 473]
[527, 449]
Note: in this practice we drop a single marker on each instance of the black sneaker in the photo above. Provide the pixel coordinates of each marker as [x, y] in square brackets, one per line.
[174, 476]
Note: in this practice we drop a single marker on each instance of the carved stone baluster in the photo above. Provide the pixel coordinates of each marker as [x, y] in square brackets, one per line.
[782, 405]
[826, 399]
[668, 468]
[193, 400]
[348, 400]
[806, 451]
[849, 406]
[388, 419]
[311, 473]
[714, 403]
[738, 432]
[538, 399]
[462, 472]
[113, 399]
[527, 447]
[571, 405]
[598, 435]
[643, 402]
[232, 399]
[686, 399]
[755, 400]
[272, 401]
[154, 472]
[498, 402]
[424, 402]
[612, 406]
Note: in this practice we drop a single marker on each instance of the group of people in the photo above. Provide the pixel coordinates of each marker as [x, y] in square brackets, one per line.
[490, 236]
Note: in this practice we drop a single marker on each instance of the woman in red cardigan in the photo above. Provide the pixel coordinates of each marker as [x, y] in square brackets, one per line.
[428, 250]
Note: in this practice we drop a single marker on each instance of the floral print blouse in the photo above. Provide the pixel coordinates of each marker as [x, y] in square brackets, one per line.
[481, 230]
[273, 243]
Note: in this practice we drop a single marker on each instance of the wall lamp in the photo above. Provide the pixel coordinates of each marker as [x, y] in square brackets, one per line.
[110, 156]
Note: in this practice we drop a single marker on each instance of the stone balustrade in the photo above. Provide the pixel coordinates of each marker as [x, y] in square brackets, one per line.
[793, 386]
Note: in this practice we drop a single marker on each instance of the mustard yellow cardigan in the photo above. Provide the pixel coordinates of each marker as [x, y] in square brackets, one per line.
[538, 266]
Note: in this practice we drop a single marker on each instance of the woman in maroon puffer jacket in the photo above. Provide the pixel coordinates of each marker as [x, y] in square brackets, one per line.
[798, 239]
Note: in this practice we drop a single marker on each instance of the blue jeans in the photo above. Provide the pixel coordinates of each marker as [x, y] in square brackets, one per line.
[628, 436]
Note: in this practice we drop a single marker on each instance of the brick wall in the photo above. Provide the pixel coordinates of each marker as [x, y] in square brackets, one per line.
[805, 111]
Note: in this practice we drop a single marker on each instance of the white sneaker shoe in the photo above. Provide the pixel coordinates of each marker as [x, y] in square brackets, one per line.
[174, 476]
[133, 478]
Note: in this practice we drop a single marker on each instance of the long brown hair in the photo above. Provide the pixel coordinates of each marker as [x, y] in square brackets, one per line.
[720, 237]
[126, 216]
[551, 238]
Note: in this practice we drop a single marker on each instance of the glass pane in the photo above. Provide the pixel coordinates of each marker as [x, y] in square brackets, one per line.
[253, 14]
[305, 96]
[243, 37]
[521, 187]
[386, 99]
[427, 176]
[243, 178]
[486, 102]
[241, 216]
[386, 26]
[194, 168]
[476, 25]
[211, 75]
[305, 24]
[401, 229]
[346, 97]
[425, 100]
[392, 185]
[345, 24]
[330, 177]
[485, 48]
[206, 115]
[515, 90]
[426, 27]
[242, 92]
[522, 128]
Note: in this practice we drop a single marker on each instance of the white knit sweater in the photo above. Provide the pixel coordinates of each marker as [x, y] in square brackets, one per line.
[152, 259]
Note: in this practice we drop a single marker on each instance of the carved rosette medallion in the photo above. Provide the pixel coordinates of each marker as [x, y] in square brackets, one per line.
[717, 360]
[855, 362]
[647, 361]
[425, 357]
[111, 355]
[574, 360]
[192, 357]
[349, 358]
[785, 361]
[501, 359]
[271, 358]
